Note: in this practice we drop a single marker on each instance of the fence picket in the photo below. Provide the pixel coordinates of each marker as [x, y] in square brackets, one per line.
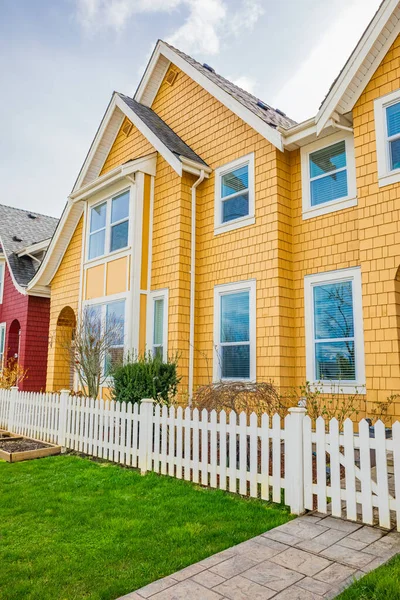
[334, 445]
[196, 445]
[350, 474]
[179, 444]
[222, 450]
[186, 449]
[204, 447]
[396, 461]
[213, 449]
[157, 439]
[321, 465]
[365, 468]
[232, 452]
[307, 464]
[276, 458]
[265, 457]
[253, 456]
[382, 475]
[243, 453]
[171, 442]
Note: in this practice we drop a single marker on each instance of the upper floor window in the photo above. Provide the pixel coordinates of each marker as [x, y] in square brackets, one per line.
[234, 194]
[234, 331]
[109, 226]
[335, 347]
[328, 175]
[387, 122]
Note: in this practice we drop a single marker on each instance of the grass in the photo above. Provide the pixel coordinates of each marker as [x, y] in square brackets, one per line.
[381, 584]
[73, 529]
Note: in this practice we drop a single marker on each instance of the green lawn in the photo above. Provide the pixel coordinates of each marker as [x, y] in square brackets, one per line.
[381, 584]
[72, 528]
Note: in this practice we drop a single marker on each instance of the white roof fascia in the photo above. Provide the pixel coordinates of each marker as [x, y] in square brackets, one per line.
[356, 60]
[268, 132]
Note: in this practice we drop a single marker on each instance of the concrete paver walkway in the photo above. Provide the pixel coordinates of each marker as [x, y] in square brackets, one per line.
[313, 557]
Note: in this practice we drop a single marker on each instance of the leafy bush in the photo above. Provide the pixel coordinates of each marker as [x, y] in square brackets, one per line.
[145, 376]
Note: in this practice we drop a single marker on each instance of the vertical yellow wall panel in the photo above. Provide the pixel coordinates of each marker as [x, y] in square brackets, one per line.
[145, 232]
[142, 323]
[95, 282]
[117, 276]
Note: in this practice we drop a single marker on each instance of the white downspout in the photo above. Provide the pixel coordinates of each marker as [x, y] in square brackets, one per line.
[192, 283]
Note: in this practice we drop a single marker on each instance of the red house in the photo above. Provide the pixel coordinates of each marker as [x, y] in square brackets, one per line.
[24, 319]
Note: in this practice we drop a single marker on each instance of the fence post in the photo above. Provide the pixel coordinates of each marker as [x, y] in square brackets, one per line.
[62, 418]
[294, 460]
[11, 412]
[145, 432]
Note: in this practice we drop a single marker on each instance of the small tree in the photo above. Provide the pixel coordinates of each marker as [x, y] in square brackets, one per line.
[95, 347]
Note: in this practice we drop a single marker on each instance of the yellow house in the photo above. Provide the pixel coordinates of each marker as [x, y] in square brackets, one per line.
[213, 225]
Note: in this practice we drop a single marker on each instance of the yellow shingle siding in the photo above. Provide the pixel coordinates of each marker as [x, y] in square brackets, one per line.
[64, 292]
[219, 136]
[379, 228]
[126, 148]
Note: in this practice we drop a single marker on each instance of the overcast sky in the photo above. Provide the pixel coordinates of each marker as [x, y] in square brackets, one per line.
[60, 60]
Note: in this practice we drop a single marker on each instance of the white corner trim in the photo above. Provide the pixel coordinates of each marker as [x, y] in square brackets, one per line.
[2, 277]
[310, 281]
[386, 176]
[271, 134]
[230, 288]
[339, 203]
[219, 225]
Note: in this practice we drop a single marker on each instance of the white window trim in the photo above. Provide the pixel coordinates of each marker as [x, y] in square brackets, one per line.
[108, 198]
[219, 226]
[3, 326]
[351, 274]
[162, 294]
[229, 288]
[334, 205]
[386, 175]
[2, 279]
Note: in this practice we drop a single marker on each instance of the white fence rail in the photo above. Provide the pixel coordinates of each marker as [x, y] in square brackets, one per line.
[358, 474]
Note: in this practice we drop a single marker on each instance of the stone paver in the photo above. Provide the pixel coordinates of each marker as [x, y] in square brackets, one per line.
[309, 558]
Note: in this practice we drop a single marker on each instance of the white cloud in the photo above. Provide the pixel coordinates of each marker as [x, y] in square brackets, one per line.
[301, 96]
[244, 82]
[208, 21]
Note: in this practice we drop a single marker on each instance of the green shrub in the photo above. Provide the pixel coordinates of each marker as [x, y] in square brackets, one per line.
[145, 376]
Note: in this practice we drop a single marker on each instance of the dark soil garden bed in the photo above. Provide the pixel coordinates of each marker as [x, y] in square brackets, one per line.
[15, 450]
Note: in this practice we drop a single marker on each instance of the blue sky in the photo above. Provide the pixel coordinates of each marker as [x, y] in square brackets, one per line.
[60, 61]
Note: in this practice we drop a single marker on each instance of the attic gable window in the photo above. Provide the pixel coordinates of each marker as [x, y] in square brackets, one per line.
[109, 226]
[328, 175]
[234, 194]
[387, 123]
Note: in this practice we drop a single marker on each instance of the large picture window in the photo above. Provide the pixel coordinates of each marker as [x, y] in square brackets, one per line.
[335, 348]
[109, 317]
[109, 226]
[234, 331]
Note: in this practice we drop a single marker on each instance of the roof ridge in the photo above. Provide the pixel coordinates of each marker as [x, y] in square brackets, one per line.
[32, 212]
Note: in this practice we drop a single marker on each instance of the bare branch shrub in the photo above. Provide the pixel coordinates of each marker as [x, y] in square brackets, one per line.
[95, 348]
[12, 374]
[240, 396]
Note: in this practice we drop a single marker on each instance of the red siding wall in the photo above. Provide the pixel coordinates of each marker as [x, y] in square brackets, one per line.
[33, 315]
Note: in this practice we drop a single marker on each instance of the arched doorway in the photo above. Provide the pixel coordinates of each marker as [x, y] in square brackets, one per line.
[66, 324]
[13, 345]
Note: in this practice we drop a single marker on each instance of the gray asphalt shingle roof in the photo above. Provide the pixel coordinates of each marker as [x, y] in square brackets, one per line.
[165, 134]
[270, 115]
[16, 223]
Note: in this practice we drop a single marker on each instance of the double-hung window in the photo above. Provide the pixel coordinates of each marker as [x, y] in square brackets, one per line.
[234, 331]
[387, 122]
[234, 194]
[334, 330]
[158, 333]
[328, 175]
[109, 226]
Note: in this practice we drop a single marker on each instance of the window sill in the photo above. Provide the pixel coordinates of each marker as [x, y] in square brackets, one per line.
[389, 178]
[330, 207]
[339, 387]
[105, 257]
[236, 224]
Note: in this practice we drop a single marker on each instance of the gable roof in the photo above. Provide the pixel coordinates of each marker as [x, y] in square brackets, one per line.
[270, 115]
[242, 103]
[362, 63]
[28, 227]
[164, 133]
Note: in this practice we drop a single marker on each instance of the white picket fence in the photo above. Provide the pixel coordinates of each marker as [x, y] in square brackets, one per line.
[332, 471]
